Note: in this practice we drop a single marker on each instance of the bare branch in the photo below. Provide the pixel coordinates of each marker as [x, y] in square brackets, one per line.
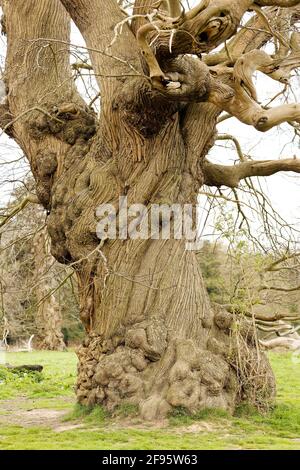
[264, 319]
[235, 141]
[274, 265]
[280, 289]
[30, 199]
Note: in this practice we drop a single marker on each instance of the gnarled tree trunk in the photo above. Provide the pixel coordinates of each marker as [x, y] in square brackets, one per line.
[153, 338]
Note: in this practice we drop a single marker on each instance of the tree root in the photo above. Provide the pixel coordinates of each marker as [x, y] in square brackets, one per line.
[147, 367]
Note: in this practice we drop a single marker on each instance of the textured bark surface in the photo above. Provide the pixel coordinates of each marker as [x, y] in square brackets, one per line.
[153, 338]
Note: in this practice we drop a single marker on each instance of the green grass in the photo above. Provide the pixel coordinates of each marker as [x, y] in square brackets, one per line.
[57, 378]
[97, 415]
[53, 389]
[179, 416]
[19, 438]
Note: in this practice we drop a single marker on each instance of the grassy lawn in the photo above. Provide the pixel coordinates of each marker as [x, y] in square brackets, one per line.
[37, 411]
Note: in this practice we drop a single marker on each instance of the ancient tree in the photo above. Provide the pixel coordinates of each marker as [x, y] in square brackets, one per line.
[152, 336]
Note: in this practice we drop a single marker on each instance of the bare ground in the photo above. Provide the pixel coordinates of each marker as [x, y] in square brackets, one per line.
[23, 412]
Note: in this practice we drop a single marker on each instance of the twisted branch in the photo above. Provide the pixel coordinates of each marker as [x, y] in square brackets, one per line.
[241, 100]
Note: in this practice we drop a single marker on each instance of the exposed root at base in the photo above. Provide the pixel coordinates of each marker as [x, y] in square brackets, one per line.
[148, 368]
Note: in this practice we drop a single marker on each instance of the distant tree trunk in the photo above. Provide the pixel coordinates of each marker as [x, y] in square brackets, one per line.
[49, 314]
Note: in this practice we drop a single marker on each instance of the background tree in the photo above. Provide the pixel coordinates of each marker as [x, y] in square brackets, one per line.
[38, 295]
[261, 288]
[153, 338]
[49, 312]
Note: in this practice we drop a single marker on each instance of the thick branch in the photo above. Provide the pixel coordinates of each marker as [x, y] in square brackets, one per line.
[263, 318]
[39, 80]
[291, 344]
[254, 35]
[240, 100]
[199, 30]
[45, 66]
[37, 71]
[223, 175]
[141, 8]
[173, 7]
[109, 47]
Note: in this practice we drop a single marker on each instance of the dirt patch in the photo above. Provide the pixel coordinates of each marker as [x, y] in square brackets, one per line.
[21, 413]
[199, 427]
[195, 428]
[67, 427]
[31, 418]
